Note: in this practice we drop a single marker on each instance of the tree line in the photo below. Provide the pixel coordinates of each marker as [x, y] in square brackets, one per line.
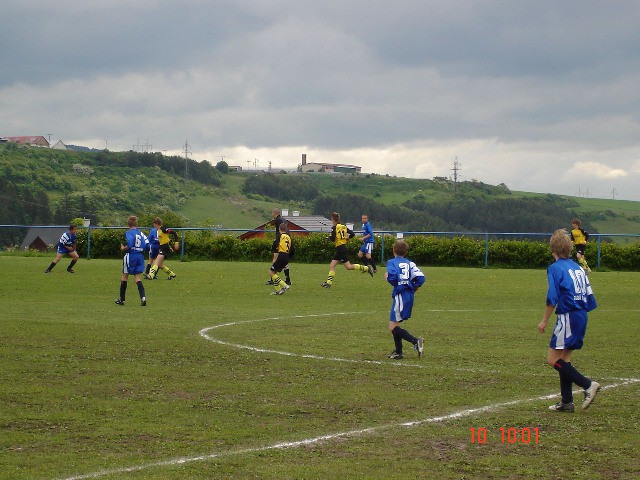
[476, 208]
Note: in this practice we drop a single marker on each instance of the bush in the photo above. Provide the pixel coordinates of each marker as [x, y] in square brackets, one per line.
[431, 250]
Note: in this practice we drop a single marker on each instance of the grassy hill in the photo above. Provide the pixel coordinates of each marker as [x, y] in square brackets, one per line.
[108, 186]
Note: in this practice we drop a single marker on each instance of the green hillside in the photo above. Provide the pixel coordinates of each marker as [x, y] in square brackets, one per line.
[52, 187]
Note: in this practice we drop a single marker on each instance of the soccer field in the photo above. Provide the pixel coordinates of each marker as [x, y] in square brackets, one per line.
[217, 379]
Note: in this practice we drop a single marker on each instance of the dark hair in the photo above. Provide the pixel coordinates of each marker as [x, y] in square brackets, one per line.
[71, 227]
[335, 216]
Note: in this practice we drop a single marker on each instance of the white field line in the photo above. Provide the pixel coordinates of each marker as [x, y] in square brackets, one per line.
[204, 333]
[332, 436]
[321, 438]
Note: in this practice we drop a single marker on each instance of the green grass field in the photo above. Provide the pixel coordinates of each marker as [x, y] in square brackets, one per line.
[217, 379]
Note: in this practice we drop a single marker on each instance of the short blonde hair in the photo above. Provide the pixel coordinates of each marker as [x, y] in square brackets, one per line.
[132, 221]
[561, 243]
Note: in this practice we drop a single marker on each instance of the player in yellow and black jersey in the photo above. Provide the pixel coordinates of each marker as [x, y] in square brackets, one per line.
[282, 260]
[168, 240]
[277, 220]
[340, 235]
[580, 237]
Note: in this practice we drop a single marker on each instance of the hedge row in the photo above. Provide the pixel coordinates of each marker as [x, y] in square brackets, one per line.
[431, 250]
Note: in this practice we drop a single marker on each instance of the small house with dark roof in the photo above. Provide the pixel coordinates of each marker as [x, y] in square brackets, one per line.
[298, 225]
[42, 238]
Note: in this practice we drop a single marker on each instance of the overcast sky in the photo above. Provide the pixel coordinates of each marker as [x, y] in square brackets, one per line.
[540, 95]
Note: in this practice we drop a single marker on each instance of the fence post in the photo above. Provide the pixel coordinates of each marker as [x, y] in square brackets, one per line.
[599, 238]
[182, 245]
[382, 249]
[89, 242]
[486, 250]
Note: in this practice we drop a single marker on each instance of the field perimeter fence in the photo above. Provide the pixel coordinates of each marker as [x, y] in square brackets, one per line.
[471, 249]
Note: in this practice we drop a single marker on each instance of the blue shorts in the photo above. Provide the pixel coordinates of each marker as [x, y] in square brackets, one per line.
[64, 251]
[569, 331]
[133, 263]
[153, 251]
[401, 306]
[366, 248]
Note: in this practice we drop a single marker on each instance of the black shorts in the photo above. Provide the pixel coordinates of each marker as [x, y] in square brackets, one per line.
[165, 250]
[281, 262]
[341, 254]
[580, 248]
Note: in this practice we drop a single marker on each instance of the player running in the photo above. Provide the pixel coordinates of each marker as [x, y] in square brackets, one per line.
[165, 237]
[367, 240]
[340, 234]
[281, 261]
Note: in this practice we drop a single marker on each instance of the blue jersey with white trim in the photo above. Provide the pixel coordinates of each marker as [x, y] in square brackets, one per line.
[136, 241]
[404, 275]
[367, 229]
[67, 239]
[569, 288]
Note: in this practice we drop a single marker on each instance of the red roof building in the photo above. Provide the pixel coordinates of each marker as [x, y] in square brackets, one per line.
[297, 226]
[34, 141]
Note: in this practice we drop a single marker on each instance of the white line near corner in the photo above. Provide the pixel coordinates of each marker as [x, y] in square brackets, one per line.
[328, 437]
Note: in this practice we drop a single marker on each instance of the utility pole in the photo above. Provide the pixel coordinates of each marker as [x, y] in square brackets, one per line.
[187, 152]
[614, 192]
[455, 170]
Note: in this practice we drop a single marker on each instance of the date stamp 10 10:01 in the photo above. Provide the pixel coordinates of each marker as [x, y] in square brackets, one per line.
[513, 435]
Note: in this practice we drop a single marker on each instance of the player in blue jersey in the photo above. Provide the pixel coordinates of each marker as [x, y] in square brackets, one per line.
[570, 293]
[367, 239]
[133, 262]
[154, 246]
[406, 278]
[66, 246]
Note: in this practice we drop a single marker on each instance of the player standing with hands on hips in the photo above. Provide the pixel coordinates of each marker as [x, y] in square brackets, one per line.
[571, 295]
